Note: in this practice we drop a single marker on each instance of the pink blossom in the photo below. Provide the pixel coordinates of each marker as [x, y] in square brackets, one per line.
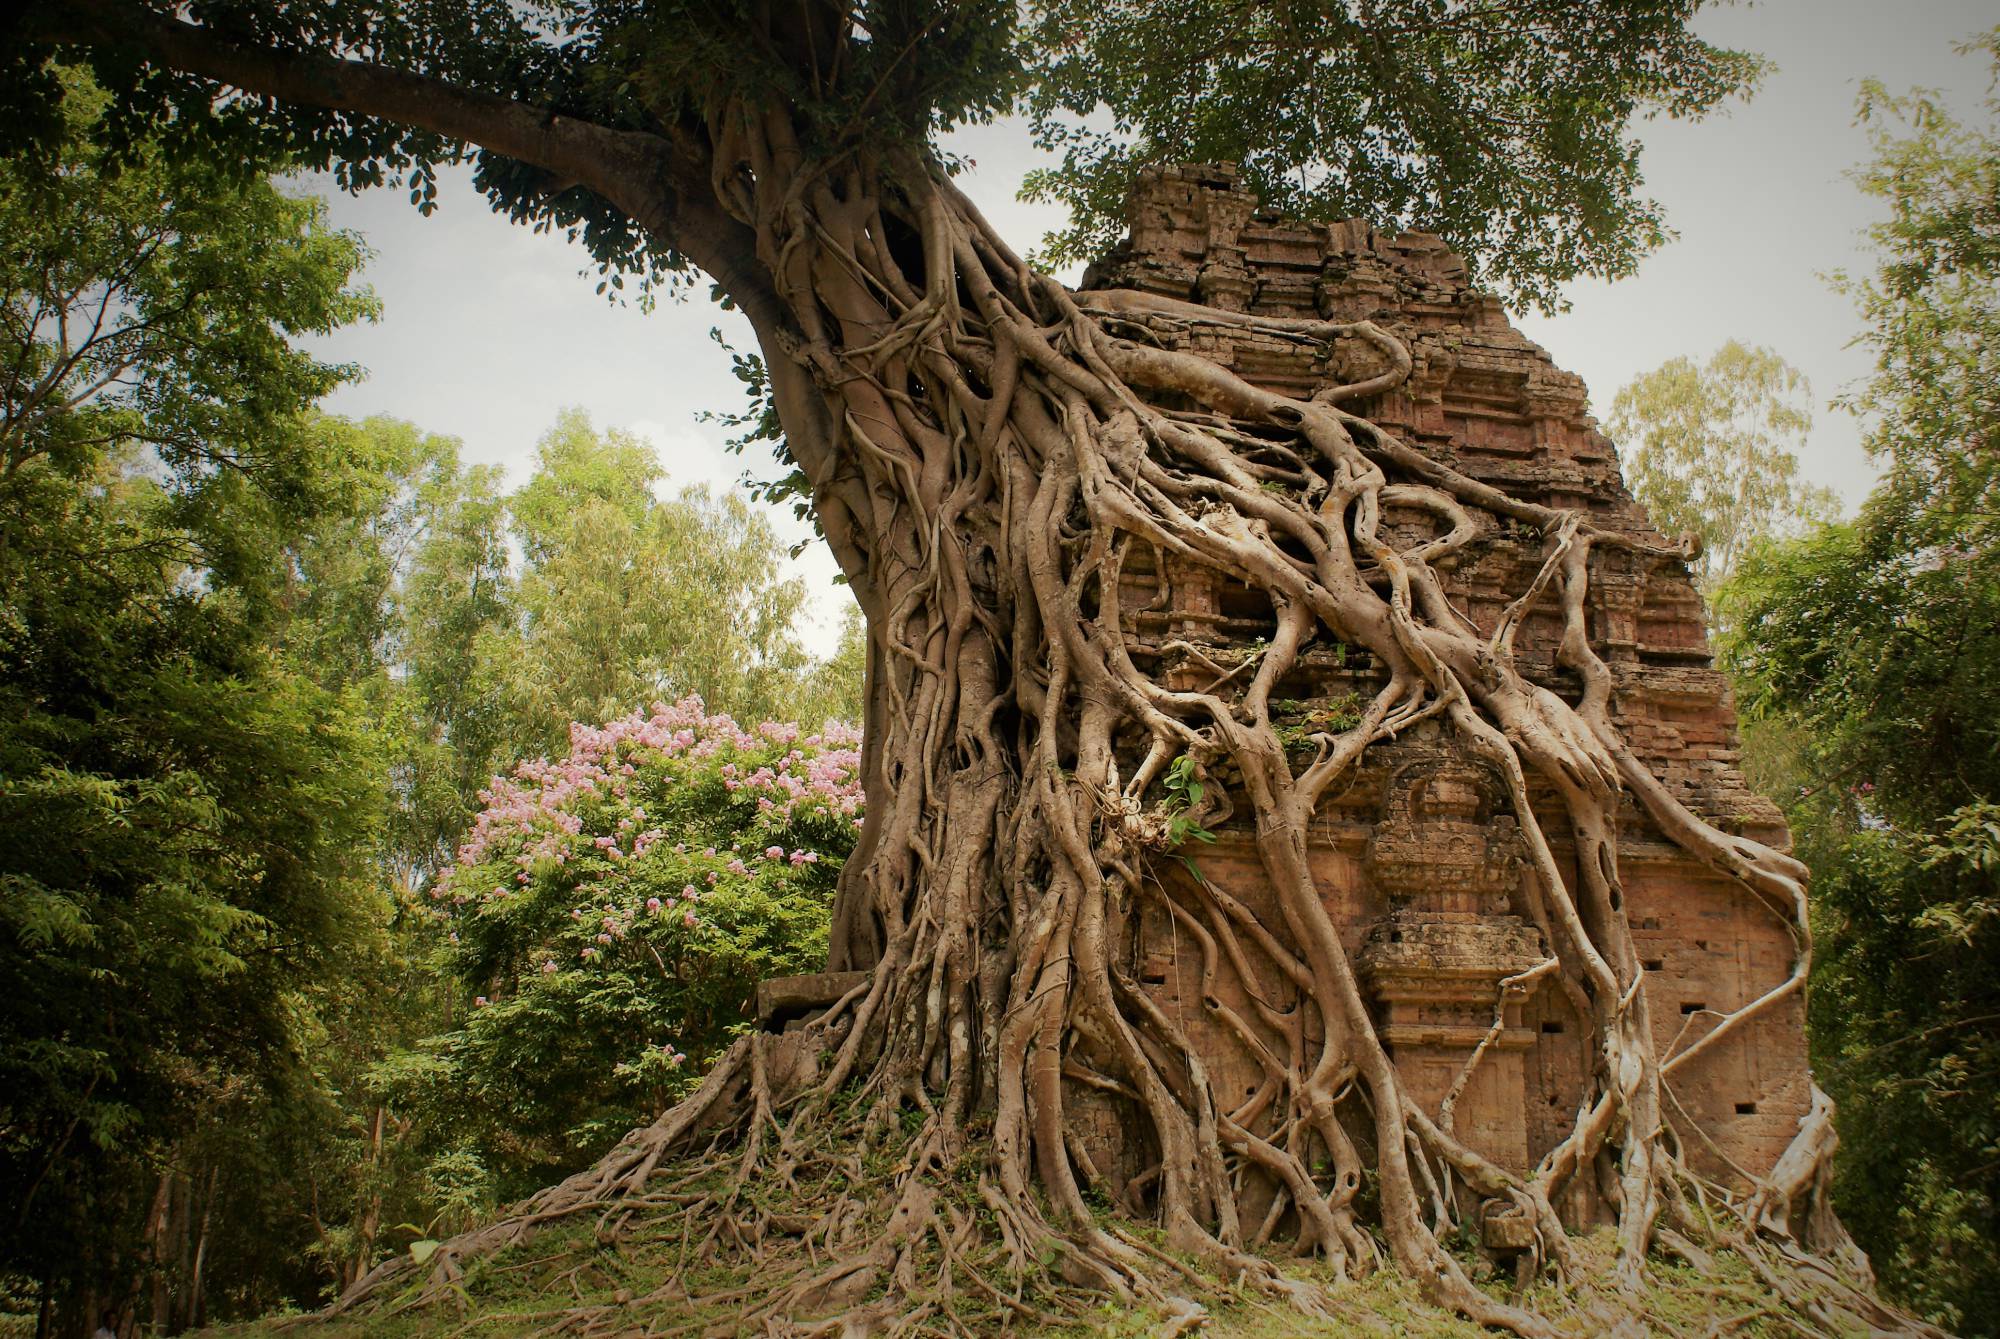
[548, 967]
[604, 939]
[688, 918]
[652, 904]
[774, 853]
[479, 1001]
[531, 815]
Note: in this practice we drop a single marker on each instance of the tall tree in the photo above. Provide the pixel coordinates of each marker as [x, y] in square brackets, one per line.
[981, 454]
[1875, 646]
[439, 589]
[628, 599]
[1712, 451]
[179, 813]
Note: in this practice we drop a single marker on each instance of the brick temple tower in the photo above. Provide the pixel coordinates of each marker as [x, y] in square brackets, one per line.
[1417, 858]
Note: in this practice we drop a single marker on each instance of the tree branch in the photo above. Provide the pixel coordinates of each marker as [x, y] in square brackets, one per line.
[660, 182]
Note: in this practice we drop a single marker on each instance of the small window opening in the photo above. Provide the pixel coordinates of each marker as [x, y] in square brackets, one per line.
[1656, 964]
[1153, 975]
[1552, 1029]
[1701, 944]
[1395, 936]
[1693, 1007]
[1746, 1108]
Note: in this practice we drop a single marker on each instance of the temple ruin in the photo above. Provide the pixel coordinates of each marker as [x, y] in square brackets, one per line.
[1417, 857]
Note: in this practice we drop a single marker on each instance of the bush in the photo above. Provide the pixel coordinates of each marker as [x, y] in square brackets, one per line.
[609, 918]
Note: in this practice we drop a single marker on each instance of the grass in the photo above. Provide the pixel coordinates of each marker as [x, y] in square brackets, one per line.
[524, 1291]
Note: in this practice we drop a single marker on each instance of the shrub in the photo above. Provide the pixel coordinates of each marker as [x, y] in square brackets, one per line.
[609, 918]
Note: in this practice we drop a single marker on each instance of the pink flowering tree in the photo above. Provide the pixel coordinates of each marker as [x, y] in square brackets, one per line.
[609, 918]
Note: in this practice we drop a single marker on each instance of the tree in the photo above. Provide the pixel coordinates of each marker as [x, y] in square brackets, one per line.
[1712, 451]
[626, 598]
[1875, 646]
[981, 455]
[180, 813]
[399, 601]
[834, 688]
[454, 633]
[607, 921]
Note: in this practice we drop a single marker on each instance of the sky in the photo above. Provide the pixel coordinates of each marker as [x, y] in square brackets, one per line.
[487, 329]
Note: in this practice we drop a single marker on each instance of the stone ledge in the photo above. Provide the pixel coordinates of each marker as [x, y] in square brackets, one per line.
[782, 999]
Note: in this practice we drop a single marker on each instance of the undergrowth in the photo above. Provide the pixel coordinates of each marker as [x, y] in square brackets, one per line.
[531, 1290]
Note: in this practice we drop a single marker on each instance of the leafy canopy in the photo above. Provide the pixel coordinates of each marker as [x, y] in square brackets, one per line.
[626, 598]
[181, 812]
[1506, 128]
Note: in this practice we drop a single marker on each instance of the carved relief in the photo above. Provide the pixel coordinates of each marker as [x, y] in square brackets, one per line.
[1434, 965]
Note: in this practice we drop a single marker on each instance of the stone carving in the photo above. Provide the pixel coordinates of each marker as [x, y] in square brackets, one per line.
[1440, 840]
[1448, 864]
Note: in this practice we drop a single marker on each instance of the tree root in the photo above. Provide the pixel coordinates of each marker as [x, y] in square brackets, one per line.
[988, 452]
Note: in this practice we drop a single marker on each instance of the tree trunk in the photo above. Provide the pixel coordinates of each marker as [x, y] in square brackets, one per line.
[197, 1295]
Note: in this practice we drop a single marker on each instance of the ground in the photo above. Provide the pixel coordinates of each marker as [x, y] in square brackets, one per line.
[527, 1292]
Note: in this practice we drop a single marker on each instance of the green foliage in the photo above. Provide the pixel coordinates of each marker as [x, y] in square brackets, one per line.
[255, 666]
[1298, 721]
[1184, 793]
[625, 598]
[181, 812]
[1873, 648]
[1508, 130]
[1712, 451]
[607, 922]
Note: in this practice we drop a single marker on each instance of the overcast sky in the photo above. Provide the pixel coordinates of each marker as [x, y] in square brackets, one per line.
[487, 329]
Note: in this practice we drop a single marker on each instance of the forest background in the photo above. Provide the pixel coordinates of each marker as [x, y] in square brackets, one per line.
[255, 697]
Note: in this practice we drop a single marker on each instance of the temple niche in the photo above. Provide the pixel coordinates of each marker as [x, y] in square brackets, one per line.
[1418, 856]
